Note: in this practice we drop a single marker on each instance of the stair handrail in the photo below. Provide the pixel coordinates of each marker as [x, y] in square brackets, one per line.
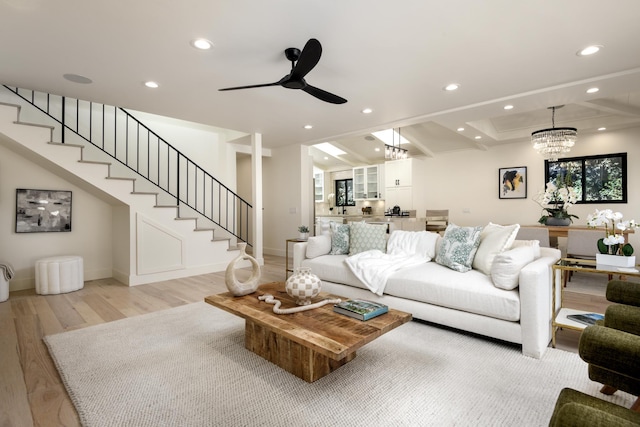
[176, 190]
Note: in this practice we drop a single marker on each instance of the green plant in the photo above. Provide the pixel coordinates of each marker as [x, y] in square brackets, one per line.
[560, 195]
[613, 243]
[303, 229]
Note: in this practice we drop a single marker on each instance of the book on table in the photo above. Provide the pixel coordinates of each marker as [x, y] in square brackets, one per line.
[586, 318]
[360, 309]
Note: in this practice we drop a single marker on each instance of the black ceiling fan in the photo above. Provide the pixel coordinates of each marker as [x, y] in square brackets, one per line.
[301, 63]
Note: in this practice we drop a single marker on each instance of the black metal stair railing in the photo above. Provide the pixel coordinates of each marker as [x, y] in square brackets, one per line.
[124, 138]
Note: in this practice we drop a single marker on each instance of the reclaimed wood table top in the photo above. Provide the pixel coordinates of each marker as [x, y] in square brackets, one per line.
[321, 329]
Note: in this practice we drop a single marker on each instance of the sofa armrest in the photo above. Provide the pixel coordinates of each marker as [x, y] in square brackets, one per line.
[535, 285]
[299, 253]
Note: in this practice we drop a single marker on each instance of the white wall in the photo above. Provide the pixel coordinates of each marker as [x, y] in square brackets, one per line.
[91, 228]
[283, 186]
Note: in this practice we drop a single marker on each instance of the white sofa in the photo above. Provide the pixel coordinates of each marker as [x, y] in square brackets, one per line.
[469, 301]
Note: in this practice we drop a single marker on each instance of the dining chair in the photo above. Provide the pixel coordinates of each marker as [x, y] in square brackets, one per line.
[534, 233]
[437, 220]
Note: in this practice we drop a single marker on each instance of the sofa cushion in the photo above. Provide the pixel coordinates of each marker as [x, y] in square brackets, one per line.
[458, 247]
[332, 268]
[494, 239]
[535, 244]
[473, 292]
[505, 271]
[421, 243]
[365, 237]
[339, 239]
[318, 245]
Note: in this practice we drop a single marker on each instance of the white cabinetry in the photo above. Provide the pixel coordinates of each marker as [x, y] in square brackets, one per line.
[401, 178]
[367, 182]
[318, 186]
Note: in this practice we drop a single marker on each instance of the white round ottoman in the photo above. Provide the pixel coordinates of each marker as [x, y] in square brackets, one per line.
[59, 274]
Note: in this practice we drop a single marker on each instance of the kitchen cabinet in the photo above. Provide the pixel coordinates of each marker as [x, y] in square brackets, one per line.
[401, 177]
[367, 182]
[318, 186]
[399, 173]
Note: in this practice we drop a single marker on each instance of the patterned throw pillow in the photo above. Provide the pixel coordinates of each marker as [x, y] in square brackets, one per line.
[365, 237]
[458, 247]
[339, 239]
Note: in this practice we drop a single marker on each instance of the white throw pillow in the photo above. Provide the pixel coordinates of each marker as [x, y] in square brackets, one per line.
[535, 244]
[505, 270]
[365, 237]
[458, 247]
[318, 245]
[494, 239]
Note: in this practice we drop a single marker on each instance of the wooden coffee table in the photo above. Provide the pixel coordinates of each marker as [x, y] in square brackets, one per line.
[309, 344]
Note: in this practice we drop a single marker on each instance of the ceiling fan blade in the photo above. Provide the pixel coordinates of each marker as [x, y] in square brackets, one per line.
[250, 86]
[324, 95]
[309, 58]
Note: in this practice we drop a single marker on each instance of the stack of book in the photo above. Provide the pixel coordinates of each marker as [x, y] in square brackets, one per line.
[360, 309]
[586, 318]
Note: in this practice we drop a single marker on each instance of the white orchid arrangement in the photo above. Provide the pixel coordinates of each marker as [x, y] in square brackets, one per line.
[614, 242]
[561, 195]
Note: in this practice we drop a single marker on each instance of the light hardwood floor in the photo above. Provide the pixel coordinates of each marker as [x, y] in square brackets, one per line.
[32, 393]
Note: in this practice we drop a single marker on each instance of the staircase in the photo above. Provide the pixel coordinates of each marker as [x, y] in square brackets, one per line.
[174, 233]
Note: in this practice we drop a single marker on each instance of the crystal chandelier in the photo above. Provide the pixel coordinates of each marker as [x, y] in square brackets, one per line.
[554, 141]
[391, 152]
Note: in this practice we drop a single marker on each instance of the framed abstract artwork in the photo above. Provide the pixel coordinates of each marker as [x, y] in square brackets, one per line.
[39, 211]
[512, 182]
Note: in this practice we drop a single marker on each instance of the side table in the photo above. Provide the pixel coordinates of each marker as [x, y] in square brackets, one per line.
[286, 256]
[559, 270]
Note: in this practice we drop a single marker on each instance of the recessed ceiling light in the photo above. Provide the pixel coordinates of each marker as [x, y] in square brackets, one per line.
[460, 129]
[377, 149]
[77, 79]
[451, 86]
[592, 90]
[151, 84]
[202, 44]
[326, 158]
[308, 127]
[508, 107]
[367, 111]
[589, 50]
[601, 129]
[477, 137]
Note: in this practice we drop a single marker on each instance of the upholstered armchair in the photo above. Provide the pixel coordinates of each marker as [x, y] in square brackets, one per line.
[576, 409]
[612, 347]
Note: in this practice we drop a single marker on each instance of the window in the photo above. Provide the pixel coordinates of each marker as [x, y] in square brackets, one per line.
[596, 179]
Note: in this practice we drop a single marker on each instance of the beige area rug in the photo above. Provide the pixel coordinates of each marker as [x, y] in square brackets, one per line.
[187, 366]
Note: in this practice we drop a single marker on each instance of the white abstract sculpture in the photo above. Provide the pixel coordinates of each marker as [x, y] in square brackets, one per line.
[236, 287]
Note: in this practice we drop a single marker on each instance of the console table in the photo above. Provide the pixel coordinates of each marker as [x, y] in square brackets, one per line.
[563, 231]
[562, 268]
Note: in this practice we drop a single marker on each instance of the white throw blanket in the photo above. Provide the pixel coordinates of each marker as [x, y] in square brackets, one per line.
[404, 249]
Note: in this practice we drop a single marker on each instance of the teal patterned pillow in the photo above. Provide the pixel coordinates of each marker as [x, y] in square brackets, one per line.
[458, 247]
[365, 237]
[339, 239]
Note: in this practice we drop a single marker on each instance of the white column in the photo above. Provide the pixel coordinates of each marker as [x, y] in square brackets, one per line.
[256, 188]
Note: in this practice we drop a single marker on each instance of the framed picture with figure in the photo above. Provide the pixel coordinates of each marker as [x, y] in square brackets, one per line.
[512, 183]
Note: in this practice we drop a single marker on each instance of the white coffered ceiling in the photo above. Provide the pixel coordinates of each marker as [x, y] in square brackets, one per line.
[393, 57]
